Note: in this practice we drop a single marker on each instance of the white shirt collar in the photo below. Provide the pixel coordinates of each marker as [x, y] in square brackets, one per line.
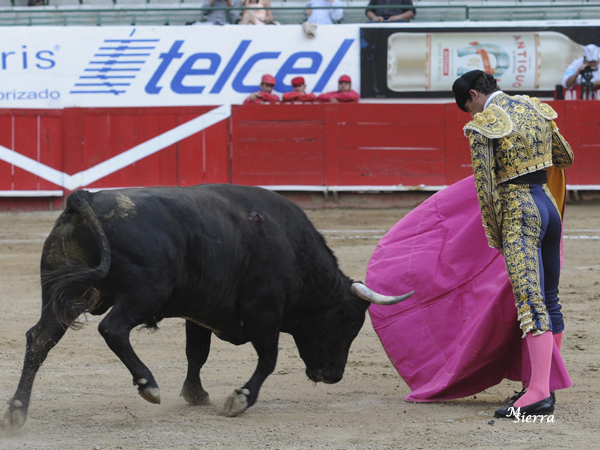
[491, 97]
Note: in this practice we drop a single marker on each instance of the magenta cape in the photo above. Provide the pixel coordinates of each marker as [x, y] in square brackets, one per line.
[458, 334]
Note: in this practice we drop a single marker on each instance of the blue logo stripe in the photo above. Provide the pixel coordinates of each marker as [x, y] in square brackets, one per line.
[123, 48]
[111, 69]
[118, 55]
[131, 40]
[112, 61]
[103, 84]
[104, 77]
[112, 91]
[112, 53]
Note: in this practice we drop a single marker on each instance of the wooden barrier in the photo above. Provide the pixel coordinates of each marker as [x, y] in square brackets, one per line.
[45, 154]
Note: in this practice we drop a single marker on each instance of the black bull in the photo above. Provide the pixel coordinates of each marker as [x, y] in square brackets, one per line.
[240, 262]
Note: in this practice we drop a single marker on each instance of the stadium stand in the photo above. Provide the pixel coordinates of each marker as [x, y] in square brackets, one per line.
[174, 12]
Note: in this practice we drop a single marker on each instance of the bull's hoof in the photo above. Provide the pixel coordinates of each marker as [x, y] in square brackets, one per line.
[14, 417]
[195, 397]
[152, 394]
[236, 403]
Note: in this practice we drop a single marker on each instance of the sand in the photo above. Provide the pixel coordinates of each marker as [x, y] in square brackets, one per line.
[83, 397]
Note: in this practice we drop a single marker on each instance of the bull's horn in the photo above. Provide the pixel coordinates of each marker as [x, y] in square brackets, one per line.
[360, 290]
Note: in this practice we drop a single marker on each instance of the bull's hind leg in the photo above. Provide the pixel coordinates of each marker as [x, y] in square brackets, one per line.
[197, 348]
[115, 328]
[40, 339]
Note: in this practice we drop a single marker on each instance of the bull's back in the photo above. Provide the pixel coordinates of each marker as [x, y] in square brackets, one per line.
[204, 232]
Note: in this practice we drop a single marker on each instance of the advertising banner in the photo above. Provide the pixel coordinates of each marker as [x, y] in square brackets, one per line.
[59, 67]
[416, 61]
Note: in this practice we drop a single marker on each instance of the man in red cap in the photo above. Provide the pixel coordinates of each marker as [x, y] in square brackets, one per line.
[299, 93]
[344, 94]
[267, 84]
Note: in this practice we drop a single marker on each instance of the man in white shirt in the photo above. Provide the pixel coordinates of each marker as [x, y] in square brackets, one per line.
[573, 74]
[324, 16]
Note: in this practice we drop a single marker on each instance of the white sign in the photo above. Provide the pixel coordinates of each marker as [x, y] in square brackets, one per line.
[58, 67]
[519, 60]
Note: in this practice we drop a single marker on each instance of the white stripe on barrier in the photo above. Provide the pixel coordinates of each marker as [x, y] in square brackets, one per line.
[148, 148]
[394, 188]
[30, 165]
[128, 157]
[31, 193]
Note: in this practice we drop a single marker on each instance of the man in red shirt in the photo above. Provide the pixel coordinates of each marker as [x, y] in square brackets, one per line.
[299, 93]
[267, 84]
[344, 94]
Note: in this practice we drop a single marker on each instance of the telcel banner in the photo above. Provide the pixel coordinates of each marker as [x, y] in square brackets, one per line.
[58, 67]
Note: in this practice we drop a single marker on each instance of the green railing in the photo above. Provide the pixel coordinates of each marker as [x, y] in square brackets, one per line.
[181, 13]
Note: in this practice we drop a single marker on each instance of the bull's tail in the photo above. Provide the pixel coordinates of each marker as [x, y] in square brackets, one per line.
[70, 285]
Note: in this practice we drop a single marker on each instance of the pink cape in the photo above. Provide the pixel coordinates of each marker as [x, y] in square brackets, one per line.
[458, 334]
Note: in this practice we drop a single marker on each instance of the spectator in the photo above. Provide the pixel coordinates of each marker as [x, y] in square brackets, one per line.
[591, 55]
[344, 94]
[324, 16]
[235, 16]
[218, 16]
[259, 15]
[299, 93]
[391, 14]
[267, 84]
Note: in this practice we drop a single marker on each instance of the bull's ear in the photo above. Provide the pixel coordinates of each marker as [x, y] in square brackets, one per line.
[362, 291]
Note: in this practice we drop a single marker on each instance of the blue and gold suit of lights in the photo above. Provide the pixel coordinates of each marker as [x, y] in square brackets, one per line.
[516, 136]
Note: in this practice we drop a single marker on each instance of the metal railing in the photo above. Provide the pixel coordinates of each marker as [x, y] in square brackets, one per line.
[182, 13]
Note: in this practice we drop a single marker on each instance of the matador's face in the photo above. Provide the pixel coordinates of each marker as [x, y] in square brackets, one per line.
[476, 103]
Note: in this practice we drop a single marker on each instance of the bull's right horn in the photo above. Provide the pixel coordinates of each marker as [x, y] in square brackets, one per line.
[360, 290]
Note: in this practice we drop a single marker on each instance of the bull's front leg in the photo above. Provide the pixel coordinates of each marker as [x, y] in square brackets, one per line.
[40, 340]
[241, 399]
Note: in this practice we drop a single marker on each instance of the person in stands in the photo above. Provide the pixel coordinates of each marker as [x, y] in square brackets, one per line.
[265, 95]
[260, 14]
[396, 11]
[324, 16]
[344, 94]
[589, 62]
[299, 93]
[218, 15]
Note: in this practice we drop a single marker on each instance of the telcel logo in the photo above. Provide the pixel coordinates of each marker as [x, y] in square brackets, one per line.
[187, 70]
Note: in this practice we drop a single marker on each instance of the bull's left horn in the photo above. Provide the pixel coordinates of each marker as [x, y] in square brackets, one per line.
[360, 290]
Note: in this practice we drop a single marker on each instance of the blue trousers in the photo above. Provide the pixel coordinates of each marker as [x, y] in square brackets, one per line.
[531, 234]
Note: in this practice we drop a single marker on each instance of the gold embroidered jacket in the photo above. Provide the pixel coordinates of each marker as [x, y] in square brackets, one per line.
[511, 137]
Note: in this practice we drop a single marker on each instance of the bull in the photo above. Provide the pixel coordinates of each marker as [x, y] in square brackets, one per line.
[239, 262]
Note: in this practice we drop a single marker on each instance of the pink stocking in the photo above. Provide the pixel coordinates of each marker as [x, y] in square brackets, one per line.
[540, 354]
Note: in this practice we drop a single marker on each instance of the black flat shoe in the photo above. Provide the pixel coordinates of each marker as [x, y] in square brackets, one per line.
[518, 395]
[543, 407]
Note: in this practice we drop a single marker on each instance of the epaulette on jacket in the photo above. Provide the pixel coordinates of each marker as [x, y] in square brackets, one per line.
[544, 109]
[493, 123]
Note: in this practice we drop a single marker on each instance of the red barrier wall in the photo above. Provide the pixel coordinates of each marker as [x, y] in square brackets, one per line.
[95, 135]
[294, 147]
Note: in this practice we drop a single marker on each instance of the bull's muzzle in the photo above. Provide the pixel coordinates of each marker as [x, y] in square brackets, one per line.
[361, 291]
[324, 376]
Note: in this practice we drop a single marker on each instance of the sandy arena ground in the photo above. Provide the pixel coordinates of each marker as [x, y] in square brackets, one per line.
[83, 397]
